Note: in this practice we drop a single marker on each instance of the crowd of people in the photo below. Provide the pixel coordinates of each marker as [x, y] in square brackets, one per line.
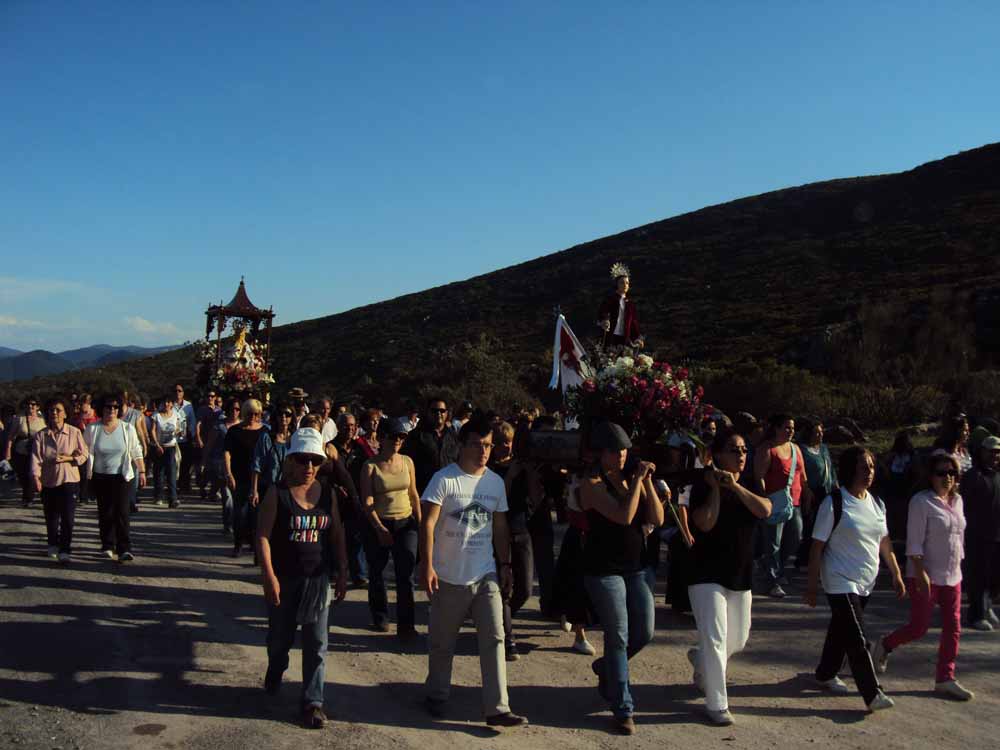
[324, 495]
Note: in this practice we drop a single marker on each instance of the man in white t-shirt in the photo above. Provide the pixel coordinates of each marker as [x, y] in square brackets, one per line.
[464, 526]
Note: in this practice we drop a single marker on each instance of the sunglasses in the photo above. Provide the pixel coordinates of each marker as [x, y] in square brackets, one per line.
[303, 459]
[946, 473]
[287, 414]
[439, 411]
[112, 406]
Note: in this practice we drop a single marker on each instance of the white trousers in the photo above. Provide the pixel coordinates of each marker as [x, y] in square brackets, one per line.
[723, 619]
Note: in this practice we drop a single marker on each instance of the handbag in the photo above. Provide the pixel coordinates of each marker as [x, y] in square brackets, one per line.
[781, 501]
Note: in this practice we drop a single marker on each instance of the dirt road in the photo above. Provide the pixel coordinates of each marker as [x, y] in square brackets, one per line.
[167, 652]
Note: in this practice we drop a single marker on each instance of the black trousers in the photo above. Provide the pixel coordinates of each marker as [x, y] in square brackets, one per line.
[59, 504]
[22, 468]
[111, 491]
[405, 533]
[523, 573]
[846, 636]
[543, 550]
[982, 575]
[187, 452]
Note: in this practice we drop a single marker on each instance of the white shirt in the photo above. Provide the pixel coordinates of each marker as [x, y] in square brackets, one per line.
[188, 422]
[850, 559]
[620, 325]
[110, 451]
[329, 431]
[463, 534]
[167, 428]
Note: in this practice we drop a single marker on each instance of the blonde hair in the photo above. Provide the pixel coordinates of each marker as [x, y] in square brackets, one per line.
[251, 407]
[505, 430]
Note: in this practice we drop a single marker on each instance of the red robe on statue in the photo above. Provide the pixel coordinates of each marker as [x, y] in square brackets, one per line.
[609, 312]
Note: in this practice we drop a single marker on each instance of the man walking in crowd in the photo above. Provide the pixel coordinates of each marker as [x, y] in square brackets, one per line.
[464, 525]
[432, 444]
[297, 398]
[352, 457]
[980, 491]
[185, 440]
[324, 408]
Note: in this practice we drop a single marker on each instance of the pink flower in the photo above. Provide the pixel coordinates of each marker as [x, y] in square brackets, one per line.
[642, 384]
[682, 374]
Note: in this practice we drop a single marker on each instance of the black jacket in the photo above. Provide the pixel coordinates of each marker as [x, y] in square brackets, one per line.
[981, 497]
[429, 452]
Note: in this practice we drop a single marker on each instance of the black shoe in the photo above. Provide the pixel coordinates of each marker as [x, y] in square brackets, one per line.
[175, 504]
[380, 627]
[126, 556]
[435, 708]
[272, 685]
[359, 582]
[506, 720]
[510, 651]
[406, 631]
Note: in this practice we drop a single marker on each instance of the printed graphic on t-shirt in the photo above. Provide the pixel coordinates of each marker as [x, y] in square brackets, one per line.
[307, 529]
[475, 516]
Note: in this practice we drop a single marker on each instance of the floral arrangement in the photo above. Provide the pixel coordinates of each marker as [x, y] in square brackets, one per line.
[647, 398]
[240, 370]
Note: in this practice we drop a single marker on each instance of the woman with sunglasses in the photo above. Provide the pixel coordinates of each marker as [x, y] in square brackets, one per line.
[20, 435]
[269, 454]
[392, 506]
[115, 457]
[298, 531]
[724, 517]
[935, 530]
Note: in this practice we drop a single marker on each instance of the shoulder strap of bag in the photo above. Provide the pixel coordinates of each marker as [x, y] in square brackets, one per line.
[837, 498]
[791, 470]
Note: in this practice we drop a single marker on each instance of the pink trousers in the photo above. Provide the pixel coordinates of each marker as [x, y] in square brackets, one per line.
[949, 598]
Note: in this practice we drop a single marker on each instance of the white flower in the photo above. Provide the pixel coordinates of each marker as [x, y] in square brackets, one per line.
[645, 361]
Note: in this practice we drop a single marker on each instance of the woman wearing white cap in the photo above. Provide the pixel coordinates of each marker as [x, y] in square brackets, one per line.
[297, 531]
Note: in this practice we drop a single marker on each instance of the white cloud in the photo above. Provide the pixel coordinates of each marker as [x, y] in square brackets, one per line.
[9, 321]
[150, 328]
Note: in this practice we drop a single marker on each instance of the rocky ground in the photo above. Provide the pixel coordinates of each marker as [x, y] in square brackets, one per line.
[167, 652]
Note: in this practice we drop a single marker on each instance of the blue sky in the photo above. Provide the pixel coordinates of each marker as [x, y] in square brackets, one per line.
[338, 154]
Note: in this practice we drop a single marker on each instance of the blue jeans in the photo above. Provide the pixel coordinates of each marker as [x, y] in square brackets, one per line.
[404, 559]
[781, 542]
[625, 605]
[354, 528]
[166, 464]
[281, 627]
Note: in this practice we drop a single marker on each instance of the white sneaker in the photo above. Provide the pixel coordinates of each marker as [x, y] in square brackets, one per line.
[583, 646]
[64, 557]
[834, 685]
[983, 625]
[110, 554]
[719, 718]
[776, 592]
[52, 553]
[880, 702]
[992, 618]
[565, 625]
[879, 656]
[696, 676]
[952, 689]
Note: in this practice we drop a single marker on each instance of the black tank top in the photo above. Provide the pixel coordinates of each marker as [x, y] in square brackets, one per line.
[610, 548]
[300, 545]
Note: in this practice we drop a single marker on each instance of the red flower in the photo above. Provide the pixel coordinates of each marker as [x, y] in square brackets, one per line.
[682, 374]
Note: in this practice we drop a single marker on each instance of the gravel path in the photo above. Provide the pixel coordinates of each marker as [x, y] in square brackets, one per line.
[167, 652]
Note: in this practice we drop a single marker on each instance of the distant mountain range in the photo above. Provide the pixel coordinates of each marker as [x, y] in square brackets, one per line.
[18, 365]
